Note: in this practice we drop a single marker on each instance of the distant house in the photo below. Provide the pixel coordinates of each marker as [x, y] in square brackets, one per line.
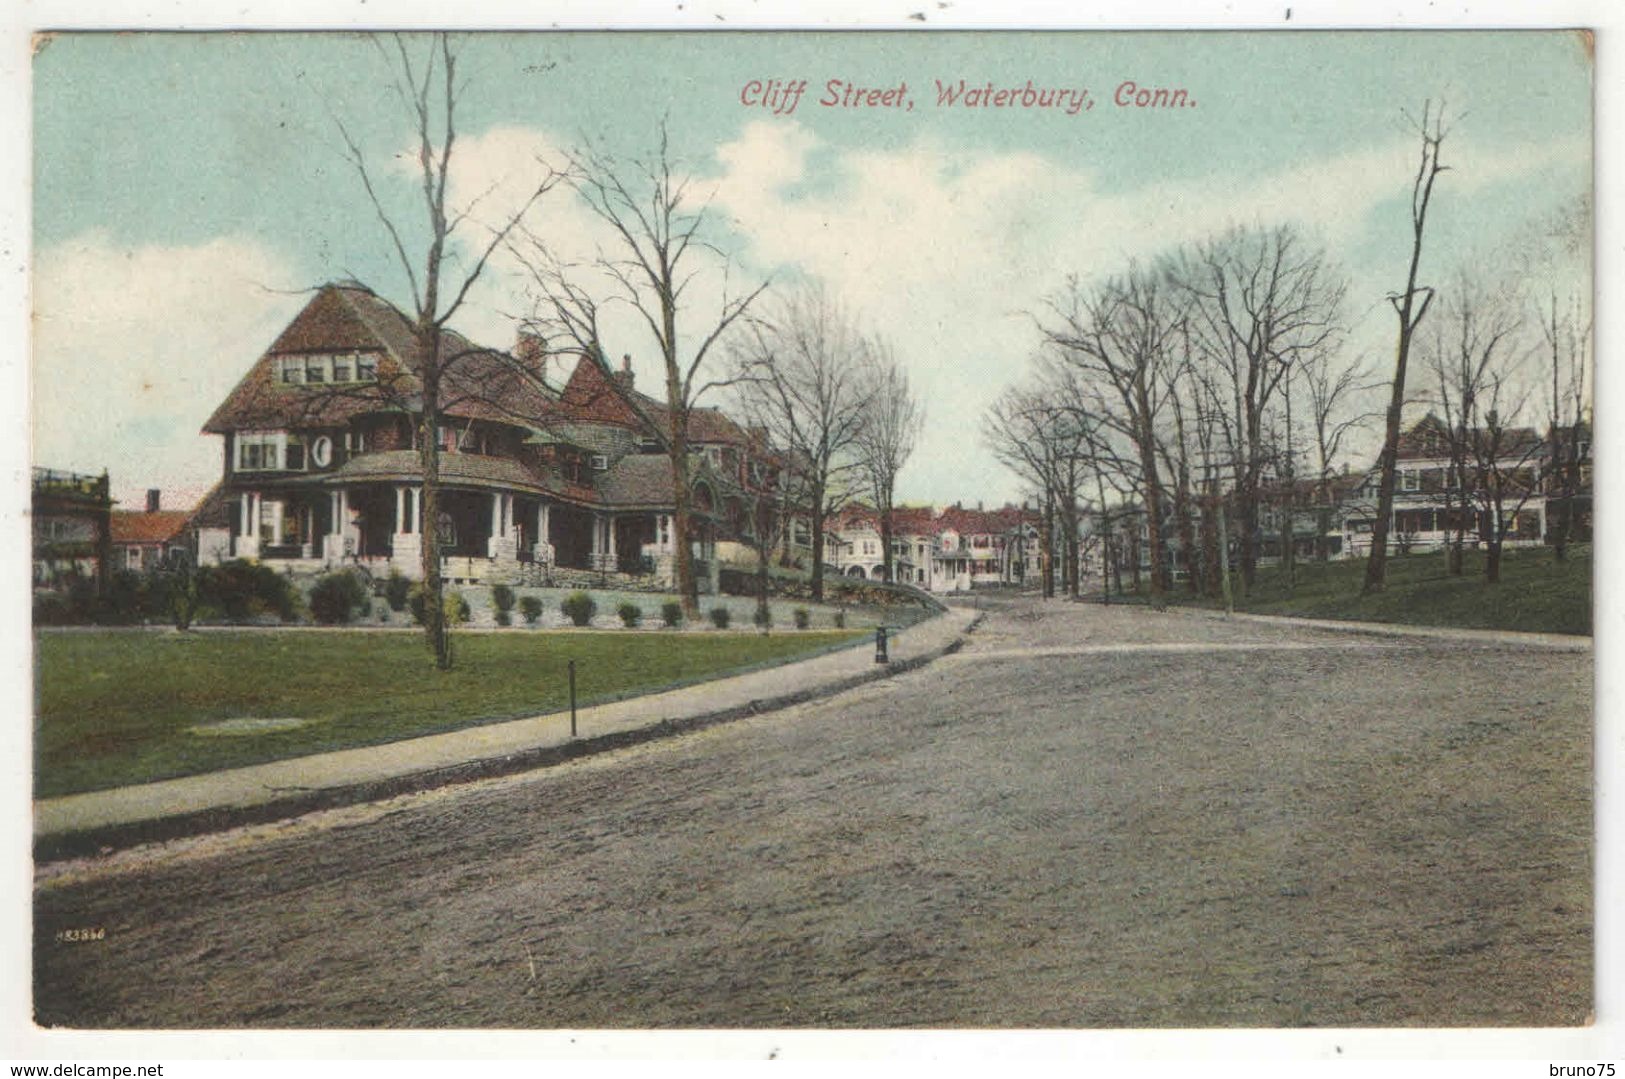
[1435, 495]
[144, 541]
[71, 525]
[952, 549]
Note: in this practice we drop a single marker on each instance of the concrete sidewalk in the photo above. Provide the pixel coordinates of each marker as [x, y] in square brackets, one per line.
[82, 823]
[1562, 642]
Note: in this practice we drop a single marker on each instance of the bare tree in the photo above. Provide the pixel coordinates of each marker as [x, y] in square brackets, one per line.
[1332, 388]
[1262, 300]
[1119, 337]
[1567, 337]
[891, 420]
[658, 248]
[1411, 306]
[1482, 362]
[427, 87]
[801, 372]
[1015, 431]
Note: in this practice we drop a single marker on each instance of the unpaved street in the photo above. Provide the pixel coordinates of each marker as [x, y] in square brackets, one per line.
[1244, 825]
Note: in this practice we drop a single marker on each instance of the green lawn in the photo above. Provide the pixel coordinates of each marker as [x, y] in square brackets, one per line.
[1536, 592]
[116, 708]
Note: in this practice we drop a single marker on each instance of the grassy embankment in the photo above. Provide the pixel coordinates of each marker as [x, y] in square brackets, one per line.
[1536, 592]
[116, 708]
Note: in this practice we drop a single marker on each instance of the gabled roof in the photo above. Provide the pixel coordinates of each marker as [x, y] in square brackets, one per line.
[1429, 439]
[160, 526]
[481, 384]
[594, 395]
[638, 480]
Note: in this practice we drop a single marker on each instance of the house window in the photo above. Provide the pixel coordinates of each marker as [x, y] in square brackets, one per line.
[341, 368]
[366, 367]
[1409, 479]
[315, 369]
[600, 462]
[260, 451]
[293, 370]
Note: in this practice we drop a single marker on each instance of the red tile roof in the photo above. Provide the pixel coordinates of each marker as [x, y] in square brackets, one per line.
[162, 526]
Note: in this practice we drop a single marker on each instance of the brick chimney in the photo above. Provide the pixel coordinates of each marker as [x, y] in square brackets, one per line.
[154, 499]
[624, 375]
[530, 349]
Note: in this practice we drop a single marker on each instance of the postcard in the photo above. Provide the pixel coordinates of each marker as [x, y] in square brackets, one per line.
[983, 530]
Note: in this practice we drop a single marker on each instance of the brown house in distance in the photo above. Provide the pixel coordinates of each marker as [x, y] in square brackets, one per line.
[142, 541]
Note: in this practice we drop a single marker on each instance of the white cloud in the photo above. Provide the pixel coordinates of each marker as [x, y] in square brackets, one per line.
[494, 173]
[133, 348]
[947, 250]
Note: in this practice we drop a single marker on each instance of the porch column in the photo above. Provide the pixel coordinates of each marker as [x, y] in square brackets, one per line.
[417, 509]
[406, 544]
[597, 559]
[502, 545]
[543, 550]
[248, 542]
[609, 533]
[333, 543]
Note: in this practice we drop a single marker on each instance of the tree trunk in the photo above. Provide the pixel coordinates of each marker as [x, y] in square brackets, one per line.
[1153, 510]
[763, 546]
[434, 606]
[1047, 544]
[688, 592]
[1187, 538]
[885, 544]
[818, 543]
[1210, 549]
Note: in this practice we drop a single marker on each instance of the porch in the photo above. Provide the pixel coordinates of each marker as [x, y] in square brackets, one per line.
[485, 536]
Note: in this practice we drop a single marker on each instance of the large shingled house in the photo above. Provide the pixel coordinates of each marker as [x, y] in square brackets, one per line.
[540, 472]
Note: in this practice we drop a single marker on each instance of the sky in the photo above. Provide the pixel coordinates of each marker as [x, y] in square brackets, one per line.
[190, 189]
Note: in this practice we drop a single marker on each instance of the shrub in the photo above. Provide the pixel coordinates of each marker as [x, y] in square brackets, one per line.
[502, 599]
[453, 603]
[504, 618]
[52, 609]
[531, 608]
[762, 617]
[127, 596]
[840, 618]
[671, 613]
[631, 614]
[382, 611]
[336, 598]
[397, 590]
[579, 608]
[239, 589]
[803, 617]
[720, 617]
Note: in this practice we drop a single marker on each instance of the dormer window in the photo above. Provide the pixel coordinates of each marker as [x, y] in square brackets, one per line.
[321, 368]
[600, 462]
[261, 451]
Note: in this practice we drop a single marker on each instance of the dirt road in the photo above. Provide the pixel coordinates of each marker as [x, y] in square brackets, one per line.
[1243, 825]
